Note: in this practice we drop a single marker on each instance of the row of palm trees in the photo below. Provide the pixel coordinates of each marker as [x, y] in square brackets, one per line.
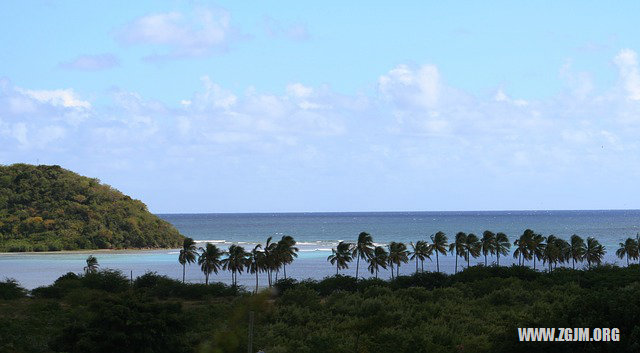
[268, 259]
[529, 247]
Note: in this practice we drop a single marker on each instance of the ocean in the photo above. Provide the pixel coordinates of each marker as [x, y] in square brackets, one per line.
[318, 233]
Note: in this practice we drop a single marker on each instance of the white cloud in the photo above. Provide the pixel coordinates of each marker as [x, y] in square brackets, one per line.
[408, 87]
[59, 97]
[627, 62]
[213, 96]
[205, 31]
[299, 90]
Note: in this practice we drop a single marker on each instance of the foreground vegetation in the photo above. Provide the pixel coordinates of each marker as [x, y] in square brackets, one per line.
[48, 208]
[475, 310]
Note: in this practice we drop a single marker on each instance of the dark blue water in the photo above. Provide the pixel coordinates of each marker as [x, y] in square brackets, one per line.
[317, 233]
[610, 227]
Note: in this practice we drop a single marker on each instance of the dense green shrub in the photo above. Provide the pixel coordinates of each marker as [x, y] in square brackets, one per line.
[10, 289]
[125, 324]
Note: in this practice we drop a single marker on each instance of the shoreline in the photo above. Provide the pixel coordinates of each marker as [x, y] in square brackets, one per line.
[88, 251]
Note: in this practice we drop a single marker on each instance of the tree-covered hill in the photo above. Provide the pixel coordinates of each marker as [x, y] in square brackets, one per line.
[48, 208]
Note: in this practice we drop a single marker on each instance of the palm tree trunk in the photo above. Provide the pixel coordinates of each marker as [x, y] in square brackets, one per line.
[573, 263]
[534, 262]
[183, 269]
[421, 265]
[398, 270]
[627, 259]
[257, 280]
[206, 279]
[417, 264]
[357, 266]
[437, 262]
[284, 267]
[468, 257]
[391, 271]
[485, 260]
[337, 268]
[456, 269]
[498, 257]
[376, 272]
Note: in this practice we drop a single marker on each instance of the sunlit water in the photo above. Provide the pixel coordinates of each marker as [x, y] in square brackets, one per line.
[317, 233]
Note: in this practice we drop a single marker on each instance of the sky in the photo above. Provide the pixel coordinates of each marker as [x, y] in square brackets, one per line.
[290, 106]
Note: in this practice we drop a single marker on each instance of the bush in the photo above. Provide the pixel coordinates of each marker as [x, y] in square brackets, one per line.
[128, 324]
[159, 286]
[10, 289]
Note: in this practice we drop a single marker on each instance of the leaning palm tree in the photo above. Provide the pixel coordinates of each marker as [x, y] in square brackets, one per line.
[594, 252]
[536, 248]
[397, 254]
[286, 252]
[187, 254]
[457, 247]
[235, 262]
[341, 256]
[629, 249]
[363, 249]
[378, 260]
[92, 265]
[419, 252]
[471, 247]
[209, 260]
[522, 247]
[271, 260]
[487, 244]
[256, 262]
[502, 245]
[439, 245]
[577, 249]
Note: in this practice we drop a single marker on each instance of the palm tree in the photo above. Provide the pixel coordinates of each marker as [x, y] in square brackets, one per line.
[522, 247]
[629, 249]
[271, 261]
[256, 262]
[363, 249]
[577, 249]
[397, 254]
[471, 247]
[487, 244]
[502, 245]
[341, 256]
[187, 254]
[379, 259]
[92, 265]
[536, 248]
[235, 262]
[286, 252]
[594, 252]
[439, 245]
[550, 252]
[209, 260]
[457, 247]
[419, 252]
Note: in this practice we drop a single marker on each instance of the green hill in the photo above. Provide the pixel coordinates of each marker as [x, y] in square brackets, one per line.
[48, 208]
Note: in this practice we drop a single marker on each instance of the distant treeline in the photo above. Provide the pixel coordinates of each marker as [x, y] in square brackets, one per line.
[476, 310]
[530, 247]
[48, 208]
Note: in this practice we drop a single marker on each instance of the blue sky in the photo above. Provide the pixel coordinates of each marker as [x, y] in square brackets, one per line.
[195, 106]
